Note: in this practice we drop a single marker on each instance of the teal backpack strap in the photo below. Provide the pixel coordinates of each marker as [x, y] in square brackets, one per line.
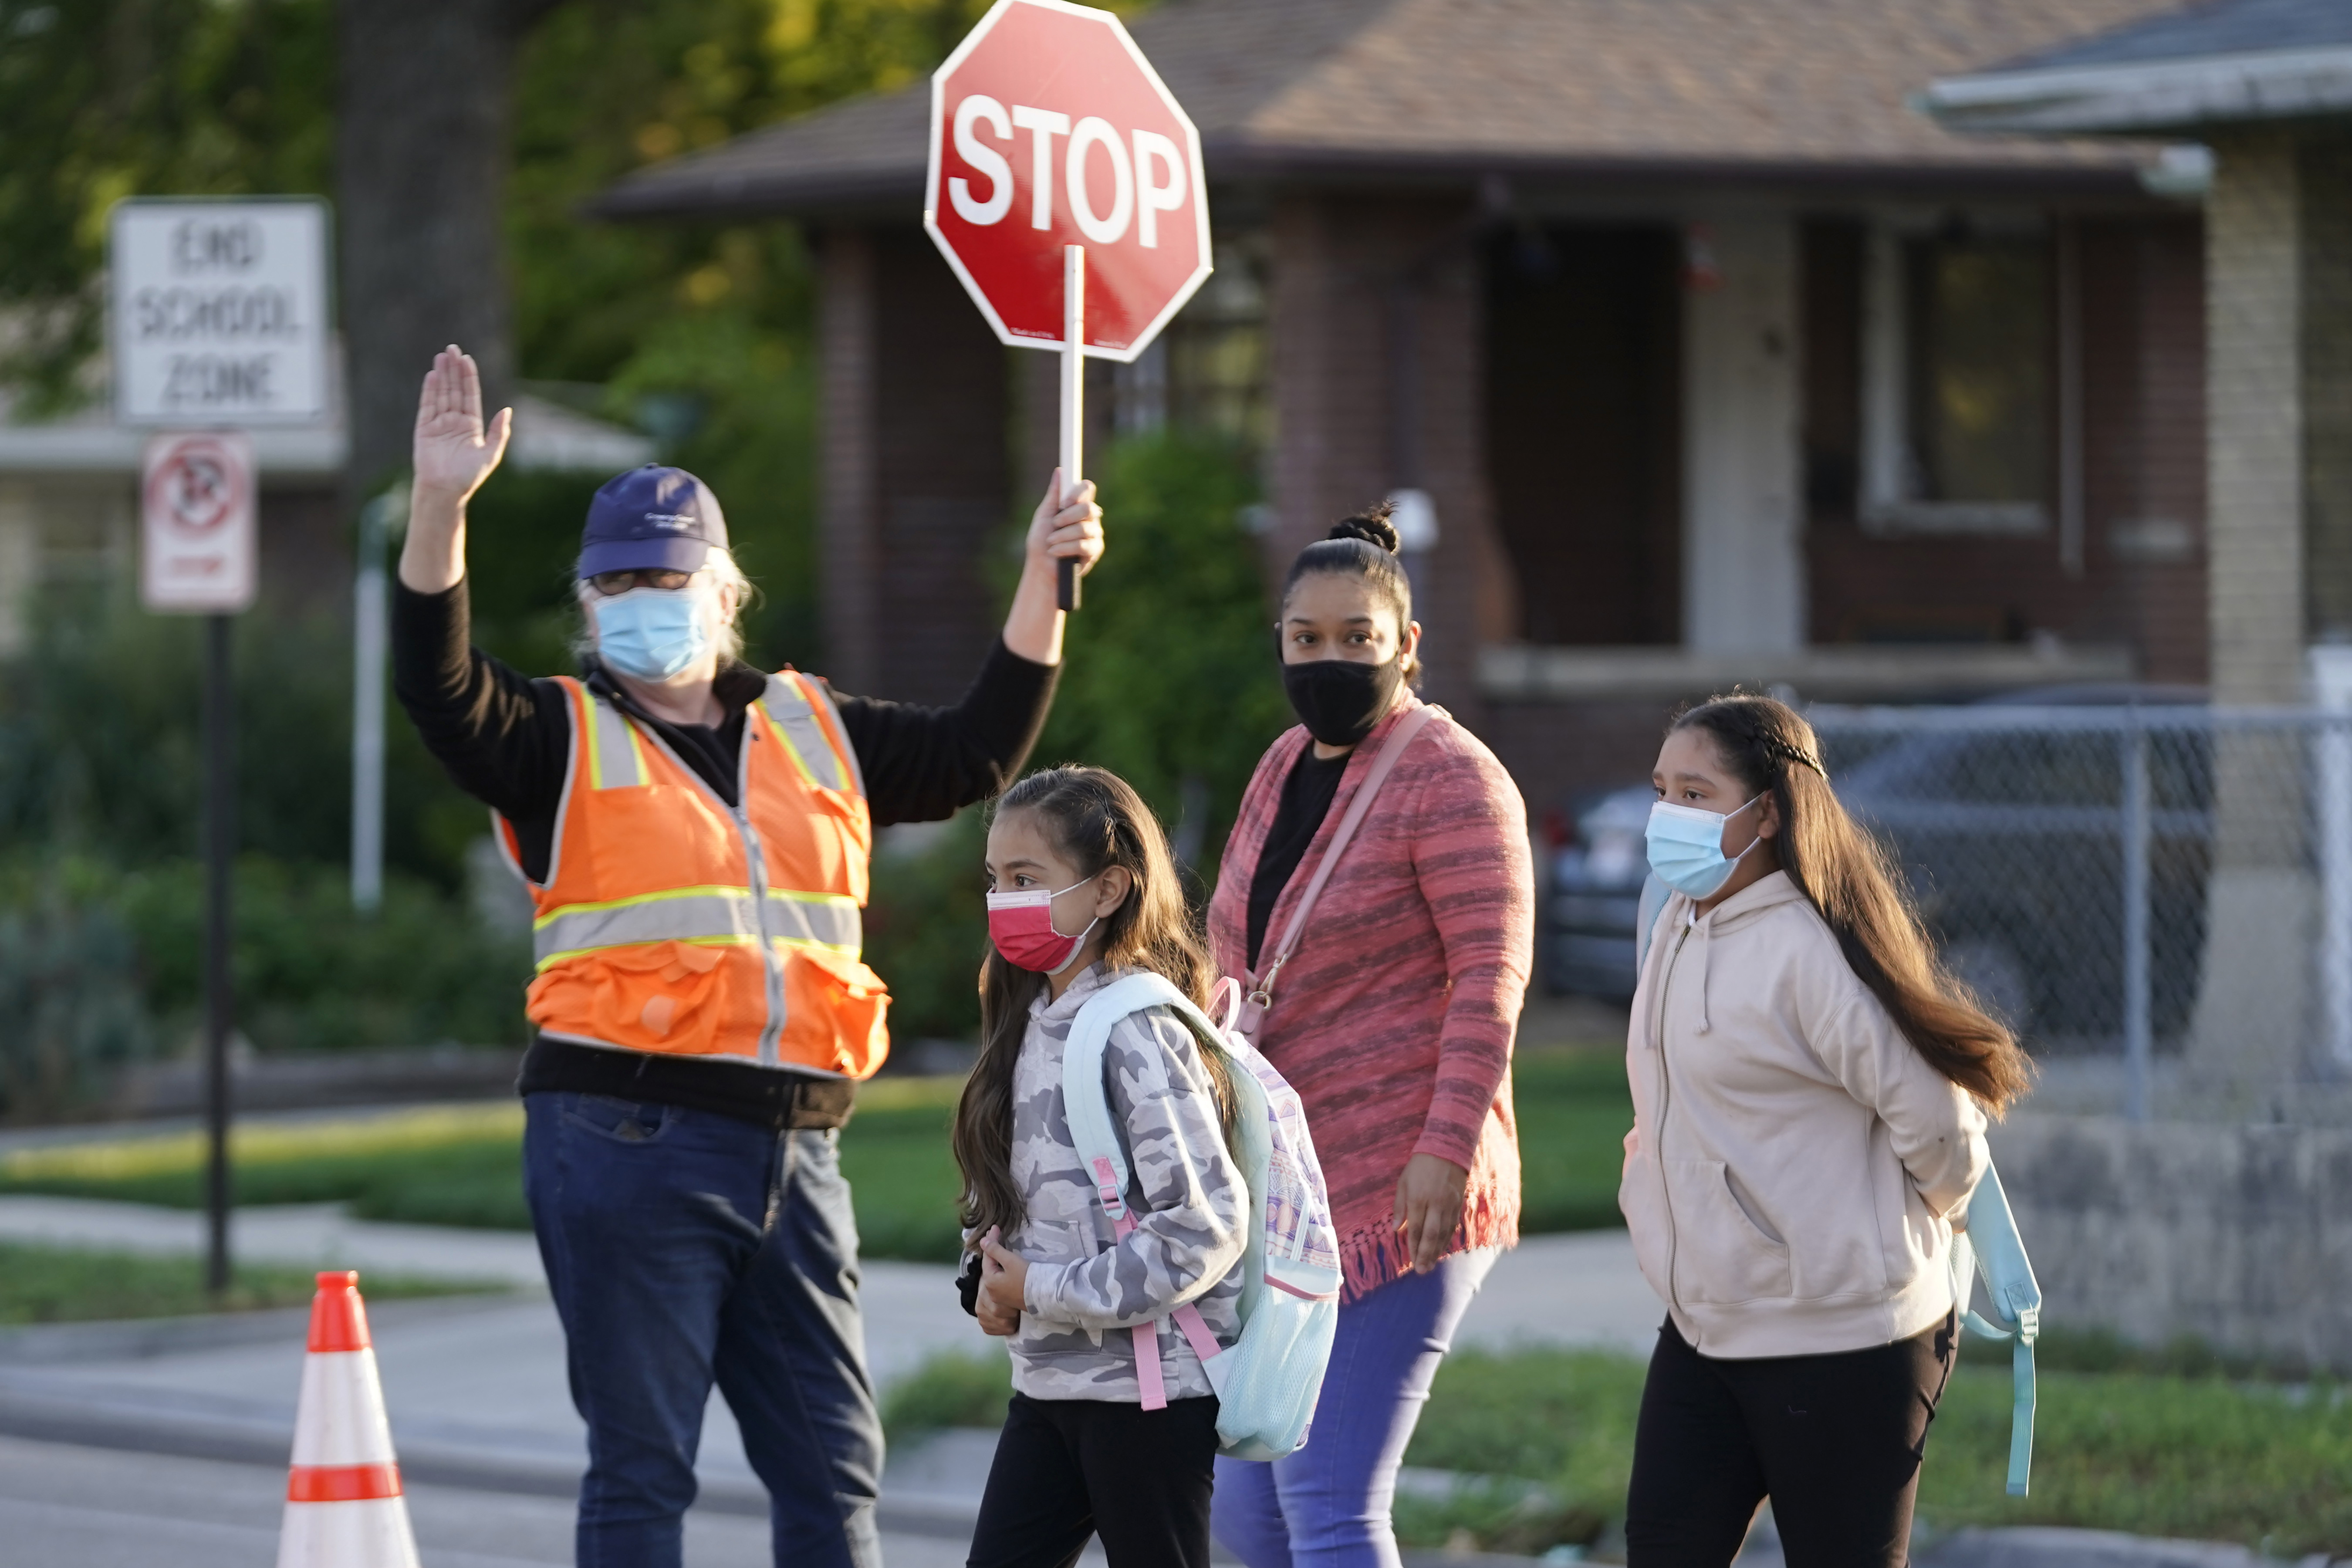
[2015, 1299]
[1645, 918]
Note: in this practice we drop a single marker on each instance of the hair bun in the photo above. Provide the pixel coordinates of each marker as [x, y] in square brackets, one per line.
[1371, 525]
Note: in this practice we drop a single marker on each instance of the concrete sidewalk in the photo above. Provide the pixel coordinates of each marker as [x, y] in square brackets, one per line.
[476, 1385]
[479, 1400]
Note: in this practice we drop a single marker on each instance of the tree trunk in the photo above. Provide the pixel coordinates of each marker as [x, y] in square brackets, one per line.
[421, 159]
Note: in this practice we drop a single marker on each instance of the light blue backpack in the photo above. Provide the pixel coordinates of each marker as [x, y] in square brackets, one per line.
[1990, 1246]
[1268, 1380]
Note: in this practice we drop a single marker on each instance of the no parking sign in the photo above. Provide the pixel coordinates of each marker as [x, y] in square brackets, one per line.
[196, 525]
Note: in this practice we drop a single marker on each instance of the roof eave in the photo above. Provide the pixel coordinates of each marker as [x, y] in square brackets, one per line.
[2147, 98]
[882, 191]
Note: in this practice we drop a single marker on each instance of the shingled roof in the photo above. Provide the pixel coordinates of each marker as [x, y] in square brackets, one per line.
[1805, 89]
[2223, 62]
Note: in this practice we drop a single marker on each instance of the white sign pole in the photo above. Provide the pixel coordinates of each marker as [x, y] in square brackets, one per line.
[369, 614]
[1074, 399]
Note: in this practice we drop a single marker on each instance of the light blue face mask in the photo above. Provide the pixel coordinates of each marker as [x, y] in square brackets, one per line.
[1686, 846]
[653, 633]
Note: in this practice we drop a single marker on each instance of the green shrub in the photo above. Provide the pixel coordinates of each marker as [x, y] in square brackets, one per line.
[927, 929]
[1169, 675]
[68, 990]
[952, 1388]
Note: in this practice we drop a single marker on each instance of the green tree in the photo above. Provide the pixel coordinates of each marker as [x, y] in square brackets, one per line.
[1169, 676]
[106, 98]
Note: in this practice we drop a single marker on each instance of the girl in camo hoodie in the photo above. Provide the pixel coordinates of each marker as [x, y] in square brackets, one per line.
[1084, 891]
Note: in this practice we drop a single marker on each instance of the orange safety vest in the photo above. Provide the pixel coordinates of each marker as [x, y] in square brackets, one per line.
[673, 923]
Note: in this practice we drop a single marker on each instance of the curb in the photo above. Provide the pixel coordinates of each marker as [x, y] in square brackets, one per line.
[138, 1339]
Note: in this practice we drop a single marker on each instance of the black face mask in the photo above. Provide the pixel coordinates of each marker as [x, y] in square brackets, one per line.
[1339, 700]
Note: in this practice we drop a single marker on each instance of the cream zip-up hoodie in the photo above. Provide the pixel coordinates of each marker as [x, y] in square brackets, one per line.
[1796, 1167]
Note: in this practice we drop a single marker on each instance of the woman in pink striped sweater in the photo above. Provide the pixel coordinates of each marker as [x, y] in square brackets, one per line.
[1393, 1019]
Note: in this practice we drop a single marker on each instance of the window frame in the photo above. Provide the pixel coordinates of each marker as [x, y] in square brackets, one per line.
[1890, 505]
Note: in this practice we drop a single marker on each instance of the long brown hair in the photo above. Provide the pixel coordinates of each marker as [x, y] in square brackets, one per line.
[1849, 879]
[1097, 821]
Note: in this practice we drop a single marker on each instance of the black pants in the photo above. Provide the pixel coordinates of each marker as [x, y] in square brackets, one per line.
[1834, 1440]
[1070, 1469]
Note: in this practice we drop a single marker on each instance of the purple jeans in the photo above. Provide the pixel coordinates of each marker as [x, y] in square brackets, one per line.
[1327, 1506]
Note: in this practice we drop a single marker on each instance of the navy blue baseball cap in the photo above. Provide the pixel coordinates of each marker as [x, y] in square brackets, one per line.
[651, 517]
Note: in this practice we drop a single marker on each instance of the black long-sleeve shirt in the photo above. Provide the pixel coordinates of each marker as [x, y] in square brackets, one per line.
[506, 740]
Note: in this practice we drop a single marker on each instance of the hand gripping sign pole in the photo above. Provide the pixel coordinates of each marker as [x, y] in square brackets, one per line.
[1108, 183]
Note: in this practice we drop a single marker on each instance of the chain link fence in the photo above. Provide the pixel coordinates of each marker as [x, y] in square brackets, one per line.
[2157, 897]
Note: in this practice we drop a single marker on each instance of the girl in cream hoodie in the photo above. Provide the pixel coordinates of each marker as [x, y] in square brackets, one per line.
[1810, 1096]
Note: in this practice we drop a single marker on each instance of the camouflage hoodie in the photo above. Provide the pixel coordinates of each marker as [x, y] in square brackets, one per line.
[1188, 1196]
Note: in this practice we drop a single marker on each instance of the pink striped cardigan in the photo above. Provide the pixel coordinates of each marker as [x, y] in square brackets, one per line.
[1395, 1018]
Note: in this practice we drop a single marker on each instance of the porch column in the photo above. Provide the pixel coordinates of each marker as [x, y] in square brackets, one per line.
[1743, 550]
[2253, 1014]
[913, 471]
[1375, 327]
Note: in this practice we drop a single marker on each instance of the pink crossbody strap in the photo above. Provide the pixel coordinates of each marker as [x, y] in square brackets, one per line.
[1260, 1000]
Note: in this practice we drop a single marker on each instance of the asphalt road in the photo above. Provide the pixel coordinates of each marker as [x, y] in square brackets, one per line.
[68, 1507]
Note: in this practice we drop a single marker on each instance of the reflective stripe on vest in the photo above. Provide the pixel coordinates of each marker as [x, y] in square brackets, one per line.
[704, 915]
[794, 720]
[673, 921]
[615, 756]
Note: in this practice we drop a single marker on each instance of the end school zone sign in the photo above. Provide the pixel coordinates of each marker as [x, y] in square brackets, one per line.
[218, 311]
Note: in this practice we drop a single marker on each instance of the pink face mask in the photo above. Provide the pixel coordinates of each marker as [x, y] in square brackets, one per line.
[1021, 924]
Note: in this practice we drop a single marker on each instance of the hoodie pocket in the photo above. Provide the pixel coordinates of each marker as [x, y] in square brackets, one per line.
[1720, 1254]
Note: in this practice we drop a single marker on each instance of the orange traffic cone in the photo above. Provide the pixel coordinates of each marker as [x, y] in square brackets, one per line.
[343, 1507]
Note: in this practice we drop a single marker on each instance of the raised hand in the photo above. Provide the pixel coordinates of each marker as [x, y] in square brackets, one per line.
[454, 452]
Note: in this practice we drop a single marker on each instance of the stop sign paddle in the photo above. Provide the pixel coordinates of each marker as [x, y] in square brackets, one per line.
[1065, 191]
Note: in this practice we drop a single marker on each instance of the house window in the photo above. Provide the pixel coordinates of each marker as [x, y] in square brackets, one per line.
[1958, 363]
[1208, 371]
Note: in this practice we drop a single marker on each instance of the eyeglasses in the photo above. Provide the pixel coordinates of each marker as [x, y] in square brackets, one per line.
[611, 582]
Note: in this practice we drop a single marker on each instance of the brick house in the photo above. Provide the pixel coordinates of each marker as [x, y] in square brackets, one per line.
[2266, 85]
[1720, 363]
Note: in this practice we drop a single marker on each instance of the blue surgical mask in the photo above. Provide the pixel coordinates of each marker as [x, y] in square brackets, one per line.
[653, 633]
[1685, 848]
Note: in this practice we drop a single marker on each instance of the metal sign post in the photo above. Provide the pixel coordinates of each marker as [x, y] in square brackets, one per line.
[219, 319]
[198, 554]
[1108, 185]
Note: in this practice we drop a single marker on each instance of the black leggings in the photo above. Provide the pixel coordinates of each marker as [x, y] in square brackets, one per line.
[1070, 1469]
[1834, 1440]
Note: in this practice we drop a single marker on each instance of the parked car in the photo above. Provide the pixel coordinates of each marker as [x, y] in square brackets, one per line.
[2012, 840]
[1596, 866]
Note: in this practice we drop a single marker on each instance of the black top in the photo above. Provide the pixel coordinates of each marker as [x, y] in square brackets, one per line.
[505, 736]
[1306, 796]
[506, 739]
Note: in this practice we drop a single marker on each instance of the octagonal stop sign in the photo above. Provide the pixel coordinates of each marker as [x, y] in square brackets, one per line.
[1049, 128]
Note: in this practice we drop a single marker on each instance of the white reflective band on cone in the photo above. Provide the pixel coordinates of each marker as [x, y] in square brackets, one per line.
[371, 1534]
[344, 1443]
[340, 1419]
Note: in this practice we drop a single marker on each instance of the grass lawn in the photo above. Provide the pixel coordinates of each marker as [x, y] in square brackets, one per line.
[463, 1165]
[69, 1285]
[2202, 1458]
[2265, 1465]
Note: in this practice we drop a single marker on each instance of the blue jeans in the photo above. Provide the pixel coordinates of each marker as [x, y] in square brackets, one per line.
[1327, 1506]
[684, 1248]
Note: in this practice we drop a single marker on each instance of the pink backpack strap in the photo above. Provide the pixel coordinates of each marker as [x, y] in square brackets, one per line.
[1196, 1333]
[1147, 1366]
[1149, 1379]
[1261, 995]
